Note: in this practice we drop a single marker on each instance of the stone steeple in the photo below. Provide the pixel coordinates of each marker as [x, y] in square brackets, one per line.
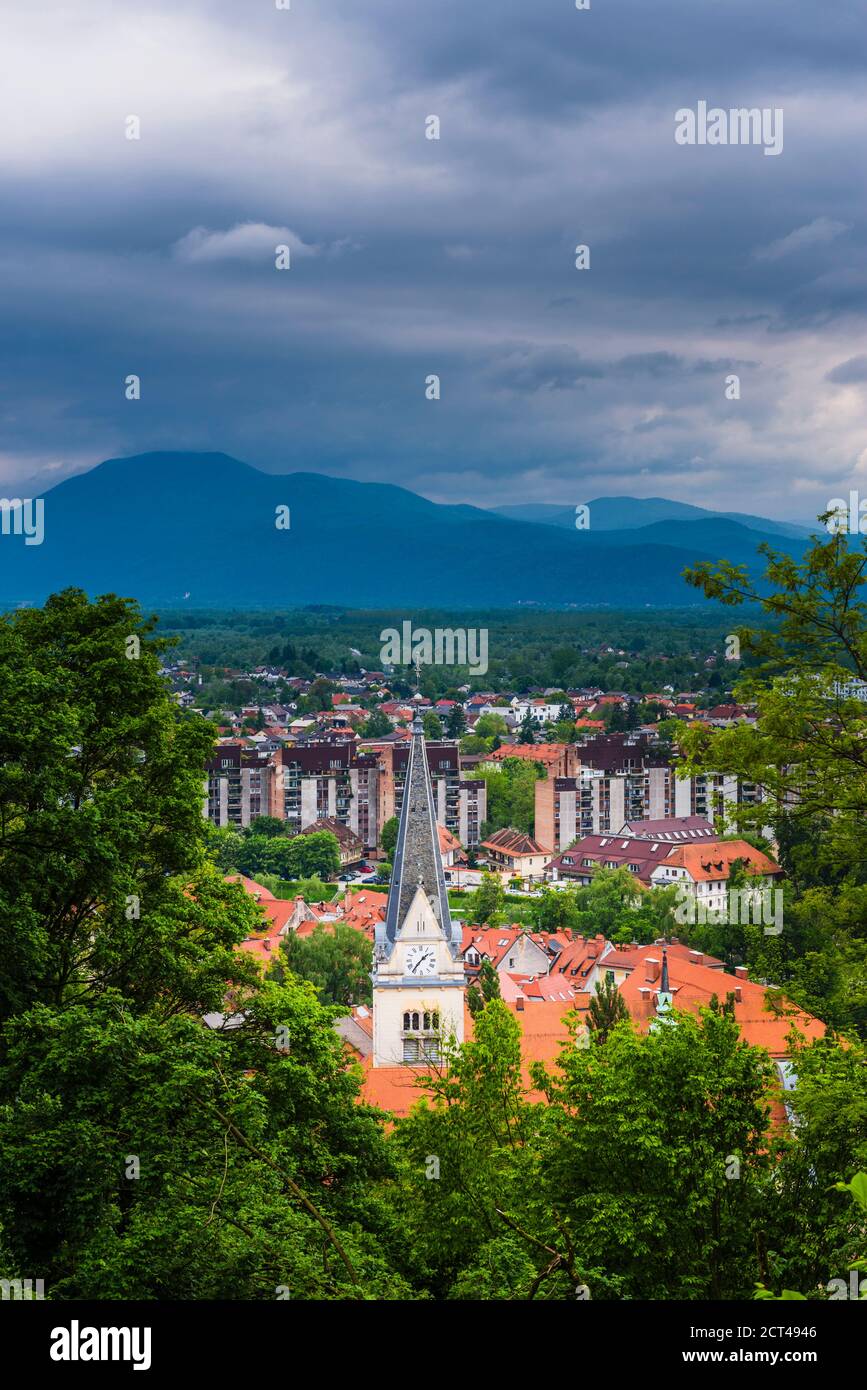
[417, 859]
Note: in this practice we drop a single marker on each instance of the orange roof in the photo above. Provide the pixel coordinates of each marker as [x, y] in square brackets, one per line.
[249, 885]
[535, 752]
[704, 862]
[278, 911]
[514, 843]
[364, 909]
[693, 987]
[447, 840]
[262, 948]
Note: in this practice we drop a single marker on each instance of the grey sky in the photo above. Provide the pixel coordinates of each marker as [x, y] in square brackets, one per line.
[455, 257]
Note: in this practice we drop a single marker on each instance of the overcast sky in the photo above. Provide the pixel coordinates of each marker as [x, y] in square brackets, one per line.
[412, 256]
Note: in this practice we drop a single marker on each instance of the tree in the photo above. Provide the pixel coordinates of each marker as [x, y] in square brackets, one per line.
[484, 989]
[527, 731]
[556, 909]
[640, 1142]
[808, 753]
[103, 877]
[607, 1009]
[457, 721]
[388, 837]
[511, 788]
[315, 855]
[616, 905]
[337, 962]
[808, 748]
[490, 726]
[319, 694]
[143, 1154]
[432, 724]
[486, 904]
[266, 825]
[377, 725]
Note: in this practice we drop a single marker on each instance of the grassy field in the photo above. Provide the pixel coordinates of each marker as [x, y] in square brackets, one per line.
[518, 909]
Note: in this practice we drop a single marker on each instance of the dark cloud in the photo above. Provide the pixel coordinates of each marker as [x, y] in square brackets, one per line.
[454, 257]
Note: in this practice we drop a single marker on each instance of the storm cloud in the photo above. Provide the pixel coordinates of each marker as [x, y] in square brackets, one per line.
[456, 256]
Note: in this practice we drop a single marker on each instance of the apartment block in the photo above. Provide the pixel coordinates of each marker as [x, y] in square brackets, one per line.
[460, 803]
[333, 780]
[626, 778]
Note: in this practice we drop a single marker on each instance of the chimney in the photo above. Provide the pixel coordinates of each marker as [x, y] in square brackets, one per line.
[651, 969]
[742, 972]
[696, 957]
[267, 943]
[738, 993]
[519, 1005]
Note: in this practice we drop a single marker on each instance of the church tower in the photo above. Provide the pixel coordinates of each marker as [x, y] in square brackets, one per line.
[418, 972]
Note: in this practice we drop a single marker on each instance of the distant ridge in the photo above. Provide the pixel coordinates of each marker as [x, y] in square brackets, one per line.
[631, 513]
[168, 528]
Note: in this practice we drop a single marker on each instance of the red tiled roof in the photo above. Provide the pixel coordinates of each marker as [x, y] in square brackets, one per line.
[706, 862]
[249, 885]
[514, 842]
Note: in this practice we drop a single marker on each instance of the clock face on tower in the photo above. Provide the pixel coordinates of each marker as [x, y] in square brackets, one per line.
[421, 960]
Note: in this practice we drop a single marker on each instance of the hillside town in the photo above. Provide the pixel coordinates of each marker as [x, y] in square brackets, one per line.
[603, 802]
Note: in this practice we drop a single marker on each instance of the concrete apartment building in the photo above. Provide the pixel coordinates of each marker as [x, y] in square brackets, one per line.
[626, 778]
[460, 803]
[333, 780]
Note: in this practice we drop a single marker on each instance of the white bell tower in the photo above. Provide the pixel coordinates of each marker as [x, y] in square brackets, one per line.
[418, 972]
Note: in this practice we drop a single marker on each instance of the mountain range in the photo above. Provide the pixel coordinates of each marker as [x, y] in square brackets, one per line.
[197, 528]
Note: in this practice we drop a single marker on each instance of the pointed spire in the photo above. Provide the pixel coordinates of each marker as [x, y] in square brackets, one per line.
[417, 859]
[664, 987]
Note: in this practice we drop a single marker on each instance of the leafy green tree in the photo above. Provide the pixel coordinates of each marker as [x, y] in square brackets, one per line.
[432, 723]
[457, 722]
[807, 752]
[511, 789]
[484, 989]
[377, 725]
[338, 962]
[556, 909]
[316, 855]
[103, 877]
[388, 836]
[809, 742]
[143, 1154]
[607, 1009]
[622, 910]
[487, 902]
[527, 729]
[490, 726]
[266, 825]
[476, 1128]
[810, 1236]
[640, 1145]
